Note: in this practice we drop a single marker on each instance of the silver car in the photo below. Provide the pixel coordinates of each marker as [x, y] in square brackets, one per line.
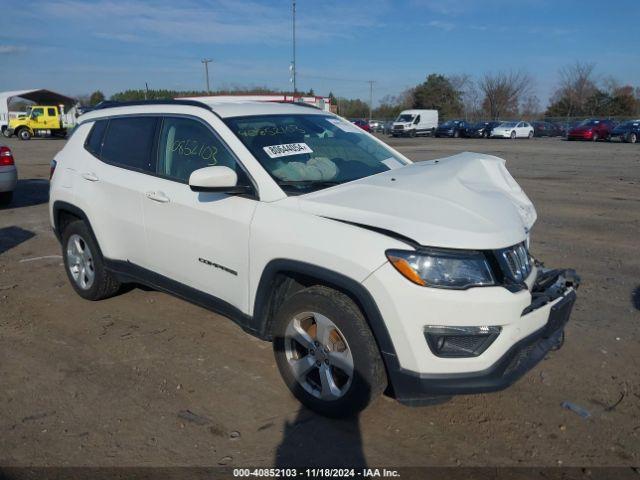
[8, 175]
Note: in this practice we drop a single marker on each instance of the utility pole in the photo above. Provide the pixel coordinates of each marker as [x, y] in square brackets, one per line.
[370, 82]
[206, 62]
[146, 90]
[293, 61]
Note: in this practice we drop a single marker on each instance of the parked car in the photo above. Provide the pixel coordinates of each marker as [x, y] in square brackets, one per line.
[327, 249]
[411, 123]
[593, 129]
[513, 130]
[376, 125]
[480, 129]
[363, 124]
[627, 131]
[8, 175]
[452, 128]
[546, 129]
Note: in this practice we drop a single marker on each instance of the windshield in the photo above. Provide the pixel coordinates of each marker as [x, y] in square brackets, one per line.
[508, 124]
[450, 123]
[589, 123]
[405, 118]
[307, 152]
[629, 124]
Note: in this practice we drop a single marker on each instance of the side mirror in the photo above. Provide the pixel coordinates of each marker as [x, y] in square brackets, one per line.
[216, 179]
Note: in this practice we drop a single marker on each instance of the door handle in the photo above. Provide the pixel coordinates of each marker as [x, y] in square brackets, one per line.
[159, 197]
[92, 177]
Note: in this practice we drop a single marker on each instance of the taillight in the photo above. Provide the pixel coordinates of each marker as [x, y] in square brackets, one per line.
[52, 168]
[6, 157]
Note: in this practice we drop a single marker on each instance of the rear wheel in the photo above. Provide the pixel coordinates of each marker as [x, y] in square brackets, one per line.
[84, 263]
[24, 134]
[595, 137]
[530, 135]
[633, 137]
[326, 352]
[5, 198]
[456, 134]
[6, 133]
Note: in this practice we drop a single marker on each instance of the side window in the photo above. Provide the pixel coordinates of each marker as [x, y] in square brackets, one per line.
[51, 112]
[37, 112]
[417, 120]
[129, 142]
[94, 141]
[186, 145]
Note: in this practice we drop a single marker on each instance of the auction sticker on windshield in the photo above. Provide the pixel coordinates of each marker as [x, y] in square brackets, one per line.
[345, 126]
[284, 150]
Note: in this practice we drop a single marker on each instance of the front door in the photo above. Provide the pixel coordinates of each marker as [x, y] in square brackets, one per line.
[198, 239]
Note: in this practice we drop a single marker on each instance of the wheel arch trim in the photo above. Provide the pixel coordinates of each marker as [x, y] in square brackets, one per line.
[356, 290]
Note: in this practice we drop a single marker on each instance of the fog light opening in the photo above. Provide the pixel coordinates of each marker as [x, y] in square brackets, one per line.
[460, 341]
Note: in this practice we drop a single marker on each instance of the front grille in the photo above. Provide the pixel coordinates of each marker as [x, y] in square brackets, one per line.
[398, 127]
[516, 262]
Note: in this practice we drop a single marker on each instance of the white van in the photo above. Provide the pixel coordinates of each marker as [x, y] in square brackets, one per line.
[415, 122]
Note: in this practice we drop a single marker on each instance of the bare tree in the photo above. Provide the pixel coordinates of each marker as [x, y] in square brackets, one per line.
[530, 107]
[503, 91]
[469, 94]
[577, 85]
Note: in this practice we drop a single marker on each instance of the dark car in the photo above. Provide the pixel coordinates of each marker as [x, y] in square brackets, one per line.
[593, 129]
[546, 129]
[363, 124]
[451, 128]
[627, 131]
[480, 129]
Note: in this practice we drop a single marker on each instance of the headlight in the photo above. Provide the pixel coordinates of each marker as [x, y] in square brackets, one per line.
[440, 268]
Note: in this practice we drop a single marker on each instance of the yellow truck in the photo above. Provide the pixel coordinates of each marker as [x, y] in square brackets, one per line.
[40, 120]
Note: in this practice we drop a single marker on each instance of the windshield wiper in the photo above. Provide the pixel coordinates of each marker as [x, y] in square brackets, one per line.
[305, 183]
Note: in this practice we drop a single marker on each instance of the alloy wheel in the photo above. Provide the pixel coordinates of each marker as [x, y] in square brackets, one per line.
[80, 262]
[319, 355]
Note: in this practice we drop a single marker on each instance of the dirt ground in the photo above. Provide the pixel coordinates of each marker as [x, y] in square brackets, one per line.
[145, 379]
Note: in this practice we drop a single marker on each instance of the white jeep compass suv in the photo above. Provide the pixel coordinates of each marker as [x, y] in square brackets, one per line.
[367, 271]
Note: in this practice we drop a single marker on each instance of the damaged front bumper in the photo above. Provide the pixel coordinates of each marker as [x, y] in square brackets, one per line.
[556, 287]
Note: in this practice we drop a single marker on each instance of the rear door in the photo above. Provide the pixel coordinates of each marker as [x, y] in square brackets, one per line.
[120, 156]
[198, 239]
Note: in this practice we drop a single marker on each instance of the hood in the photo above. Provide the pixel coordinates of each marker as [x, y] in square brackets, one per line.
[466, 201]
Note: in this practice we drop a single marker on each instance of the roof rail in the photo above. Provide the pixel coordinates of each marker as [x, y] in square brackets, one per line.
[302, 104]
[166, 101]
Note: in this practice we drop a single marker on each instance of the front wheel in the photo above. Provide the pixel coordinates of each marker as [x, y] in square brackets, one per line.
[530, 135]
[595, 137]
[633, 138]
[513, 135]
[326, 353]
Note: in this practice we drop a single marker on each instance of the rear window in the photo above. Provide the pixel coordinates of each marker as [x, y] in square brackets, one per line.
[129, 143]
[94, 141]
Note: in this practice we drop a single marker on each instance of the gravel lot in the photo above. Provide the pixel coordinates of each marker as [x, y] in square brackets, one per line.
[146, 379]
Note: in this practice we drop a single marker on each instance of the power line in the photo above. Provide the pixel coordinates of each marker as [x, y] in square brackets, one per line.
[206, 62]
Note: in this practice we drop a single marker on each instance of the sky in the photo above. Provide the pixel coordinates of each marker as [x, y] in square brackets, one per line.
[75, 47]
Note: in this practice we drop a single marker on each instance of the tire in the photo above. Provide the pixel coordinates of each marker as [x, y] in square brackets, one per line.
[5, 133]
[24, 134]
[412, 134]
[632, 138]
[84, 263]
[595, 137]
[5, 198]
[513, 135]
[530, 136]
[456, 134]
[485, 134]
[342, 325]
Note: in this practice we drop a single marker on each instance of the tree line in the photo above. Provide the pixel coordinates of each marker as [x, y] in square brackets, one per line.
[503, 95]
[580, 92]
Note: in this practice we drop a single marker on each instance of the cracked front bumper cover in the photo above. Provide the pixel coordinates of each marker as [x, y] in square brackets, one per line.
[411, 388]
